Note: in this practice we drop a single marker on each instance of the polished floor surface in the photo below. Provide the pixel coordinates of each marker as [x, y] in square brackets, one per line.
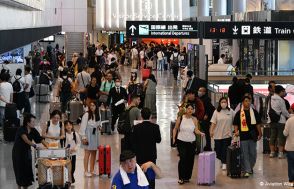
[267, 171]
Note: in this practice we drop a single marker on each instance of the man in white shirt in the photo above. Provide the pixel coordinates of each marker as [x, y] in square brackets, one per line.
[110, 57]
[99, 53]
[221, 60]
[27, 88]
[160, 60]
[134, 57]
[83, 79]
[6, 93]
[19, 94]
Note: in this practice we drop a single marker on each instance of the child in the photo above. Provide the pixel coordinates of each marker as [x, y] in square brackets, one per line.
[72, 139]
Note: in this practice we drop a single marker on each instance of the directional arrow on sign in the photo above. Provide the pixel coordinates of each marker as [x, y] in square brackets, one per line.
[132, 28]
[235, 30]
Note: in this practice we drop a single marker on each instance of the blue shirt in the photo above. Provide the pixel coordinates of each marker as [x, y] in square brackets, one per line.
[117, 182]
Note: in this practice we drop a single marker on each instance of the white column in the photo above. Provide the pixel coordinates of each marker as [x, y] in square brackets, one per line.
[271, 4]
[219, 7]
[100, 14]
[108, 12]
[239, 6]
[203, 7]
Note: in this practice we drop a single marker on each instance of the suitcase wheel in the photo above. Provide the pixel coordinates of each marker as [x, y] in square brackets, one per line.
[109, 176]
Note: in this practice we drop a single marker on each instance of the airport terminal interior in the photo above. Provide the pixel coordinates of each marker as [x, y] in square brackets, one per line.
[188, 46]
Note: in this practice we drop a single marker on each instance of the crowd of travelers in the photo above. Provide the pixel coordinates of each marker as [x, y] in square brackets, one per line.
[95, 81]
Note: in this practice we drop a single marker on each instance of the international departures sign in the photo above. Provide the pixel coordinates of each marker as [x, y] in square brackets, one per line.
[162, 29]
[211, 30]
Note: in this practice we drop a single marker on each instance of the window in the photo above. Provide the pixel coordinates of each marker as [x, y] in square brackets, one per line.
[192, 3]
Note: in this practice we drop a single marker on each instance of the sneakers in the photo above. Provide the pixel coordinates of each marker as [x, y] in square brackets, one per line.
[272, 154]
[246, 175]
[87, 174]
[281, 155]
[224, 167]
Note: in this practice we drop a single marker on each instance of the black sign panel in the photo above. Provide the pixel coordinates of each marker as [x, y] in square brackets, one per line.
[162, 29]
[249, 30]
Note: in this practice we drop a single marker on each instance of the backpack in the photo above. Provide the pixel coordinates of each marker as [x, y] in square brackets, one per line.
[16, 85]
[175, 62]
[65, 86]
[124, 124]
[62, 141]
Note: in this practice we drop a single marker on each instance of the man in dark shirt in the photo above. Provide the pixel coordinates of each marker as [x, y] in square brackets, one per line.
[234, 97]
[117, 96]
[205, 123]
[247, 125]
[248, 89]
[145, 137]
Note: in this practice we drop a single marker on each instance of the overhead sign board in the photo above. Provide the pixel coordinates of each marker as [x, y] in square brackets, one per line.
[249, 30]
[162, 29]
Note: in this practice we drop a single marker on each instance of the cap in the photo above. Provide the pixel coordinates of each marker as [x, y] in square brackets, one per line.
[125, 155]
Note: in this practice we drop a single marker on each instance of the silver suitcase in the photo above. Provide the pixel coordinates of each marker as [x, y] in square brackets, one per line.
[42, 93]
[76, 109]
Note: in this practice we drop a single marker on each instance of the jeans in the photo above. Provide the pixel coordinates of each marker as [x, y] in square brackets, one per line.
[186, 163]
[221, 147]
[248, 155]
[161, 65]
[290, 159]
[2, 115]
[205, 126]
[175, 72]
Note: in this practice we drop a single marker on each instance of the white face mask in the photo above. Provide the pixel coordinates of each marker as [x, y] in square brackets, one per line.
[224, 105]
[117, 84]
[200, 94]
[64, 77]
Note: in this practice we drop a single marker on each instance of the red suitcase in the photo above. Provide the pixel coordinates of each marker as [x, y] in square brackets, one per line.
[104, 160]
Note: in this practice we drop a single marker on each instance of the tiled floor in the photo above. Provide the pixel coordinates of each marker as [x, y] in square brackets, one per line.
[168, 95]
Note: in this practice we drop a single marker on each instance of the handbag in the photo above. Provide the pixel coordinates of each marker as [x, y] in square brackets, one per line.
[275, 118]
[32, 92]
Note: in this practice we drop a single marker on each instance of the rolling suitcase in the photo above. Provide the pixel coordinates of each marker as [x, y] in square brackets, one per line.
[76, 109]
[10, 111]
[10, 128]
[106, 119]
[42, 93]
[104, 160]
[206, 168]
[172, 126]
[266, 139]
[234, 161]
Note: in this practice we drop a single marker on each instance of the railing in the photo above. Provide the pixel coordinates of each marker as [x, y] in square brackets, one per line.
[212, 87]
[255, 72]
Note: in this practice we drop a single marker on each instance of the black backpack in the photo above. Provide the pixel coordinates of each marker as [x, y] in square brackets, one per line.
[65, 86]
[16, 85]
[175, 62]
[124, 124]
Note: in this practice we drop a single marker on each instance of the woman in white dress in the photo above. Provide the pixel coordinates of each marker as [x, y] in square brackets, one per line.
[89, 132]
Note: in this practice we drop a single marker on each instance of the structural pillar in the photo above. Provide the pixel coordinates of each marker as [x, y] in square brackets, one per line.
[219, 7]
[239, 6]
[203, 8]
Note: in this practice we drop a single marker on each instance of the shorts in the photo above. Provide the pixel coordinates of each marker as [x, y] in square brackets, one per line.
[277, 134]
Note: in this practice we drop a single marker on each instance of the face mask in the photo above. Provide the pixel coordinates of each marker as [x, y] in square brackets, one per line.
[64, 77]
[200, 94]
[117, 84]
[224, 105]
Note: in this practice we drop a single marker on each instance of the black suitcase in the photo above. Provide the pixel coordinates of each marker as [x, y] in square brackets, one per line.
[234, 162]
[10, 129]
[106, 116]
[172, 126]
[10, 111]
[266, 139]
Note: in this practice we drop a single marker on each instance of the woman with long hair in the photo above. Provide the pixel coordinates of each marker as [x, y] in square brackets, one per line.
[90, 136]
[186, 127]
